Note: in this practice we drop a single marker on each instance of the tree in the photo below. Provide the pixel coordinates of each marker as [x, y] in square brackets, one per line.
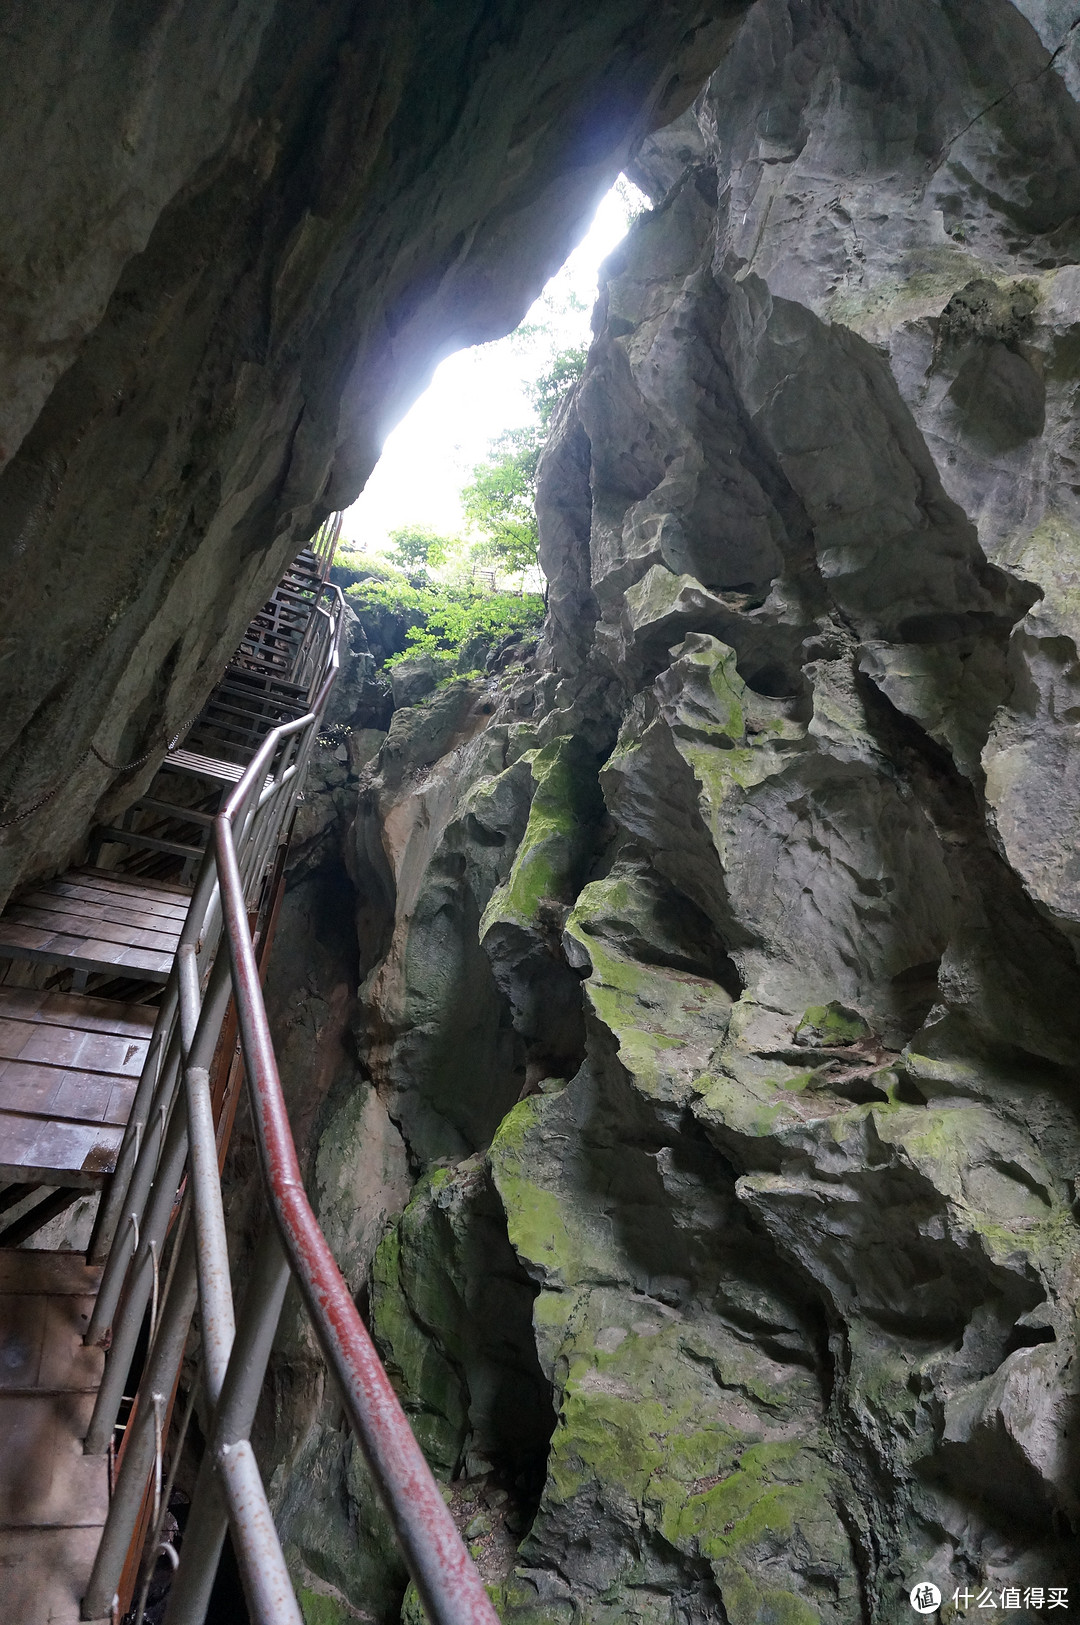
[417, 550]
[500, 499]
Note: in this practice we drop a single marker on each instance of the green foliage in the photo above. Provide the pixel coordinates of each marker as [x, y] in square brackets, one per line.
[418, 550]
[500, 500]
[350, 567]
[457, 621]
[566, 368]
[425, 592]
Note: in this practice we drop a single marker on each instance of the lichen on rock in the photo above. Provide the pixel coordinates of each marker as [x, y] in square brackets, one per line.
[724, 990]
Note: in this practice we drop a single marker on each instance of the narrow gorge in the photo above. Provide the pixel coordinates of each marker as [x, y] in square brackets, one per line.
[680, 1019]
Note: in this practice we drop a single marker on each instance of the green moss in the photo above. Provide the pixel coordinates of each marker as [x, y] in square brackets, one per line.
[609, 1441]
[831, 1024]
[534, 1216]
[939, 273]
[749, 1105]
[716, 662]
[760, 1501]
[515, 1600]
[639, 1427]
[566, 808]
[413, 1288]
[1050, 555]
[748, 1603]
[720, 772]
[666, 1021]
[412, 1609]
[320, 1609]
[990, 1171]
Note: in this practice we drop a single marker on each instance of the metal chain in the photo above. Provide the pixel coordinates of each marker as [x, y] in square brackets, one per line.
[114, 767]
[17, 818]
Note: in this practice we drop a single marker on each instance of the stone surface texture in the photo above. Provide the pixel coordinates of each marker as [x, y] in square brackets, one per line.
[717, 957]
[680, 1022]
[235, 238]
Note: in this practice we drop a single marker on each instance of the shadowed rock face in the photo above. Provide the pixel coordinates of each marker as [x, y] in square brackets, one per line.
[236, 239]
[681, 1022]
[756, 883]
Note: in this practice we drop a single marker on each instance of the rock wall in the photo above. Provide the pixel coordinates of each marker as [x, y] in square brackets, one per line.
[718, 956]
[236, 237]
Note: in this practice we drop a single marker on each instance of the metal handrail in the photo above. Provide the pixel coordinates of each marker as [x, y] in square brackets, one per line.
[449, 1585]
[246, 834]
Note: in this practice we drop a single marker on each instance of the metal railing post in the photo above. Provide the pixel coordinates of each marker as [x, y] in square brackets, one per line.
[212, 1248]
[162, 1366]
[267, 1585]
[189, 1594]
[125, 1241]
[450, 1587]
[139, 1280]
[156, 1055]
[140, 1286]
[246, 835]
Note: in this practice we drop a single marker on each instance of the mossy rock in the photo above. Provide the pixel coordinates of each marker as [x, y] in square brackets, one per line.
[320, 1608]
[566, 809]
[828, 1026]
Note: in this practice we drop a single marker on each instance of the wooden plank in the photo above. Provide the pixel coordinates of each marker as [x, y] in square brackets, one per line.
[77, 1010]
[79, 1153]
[121, 1101]
[73, 914]
[76, 925]
[22, 1336]
[53, 1498]
[53, 1045]
[81, 1098]
[164, 891]
[58, 1274]
[68, 1490]
[89, 892]
[92, 910]
[27, 942]
[46, 1572]
[51, 1092]
[31, 1091]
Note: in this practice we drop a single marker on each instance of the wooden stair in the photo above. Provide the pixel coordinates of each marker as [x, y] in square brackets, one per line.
[70, 1062]
[53, 1499]
[97, 920]
[69, 1065]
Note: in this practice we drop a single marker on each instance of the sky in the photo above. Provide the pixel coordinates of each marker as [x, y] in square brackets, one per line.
[475, 395]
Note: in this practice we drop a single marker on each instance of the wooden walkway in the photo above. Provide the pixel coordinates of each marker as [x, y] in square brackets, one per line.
[69, 1065]
[70, 1062]
[97, 920]
[53, 1499]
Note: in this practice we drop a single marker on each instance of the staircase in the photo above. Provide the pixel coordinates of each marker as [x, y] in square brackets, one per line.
[129, 981]
[84, 960]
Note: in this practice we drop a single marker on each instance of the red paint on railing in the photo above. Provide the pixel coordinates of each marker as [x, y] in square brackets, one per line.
[449, 1585]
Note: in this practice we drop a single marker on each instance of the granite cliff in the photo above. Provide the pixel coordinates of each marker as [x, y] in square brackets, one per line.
[703, 1132]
